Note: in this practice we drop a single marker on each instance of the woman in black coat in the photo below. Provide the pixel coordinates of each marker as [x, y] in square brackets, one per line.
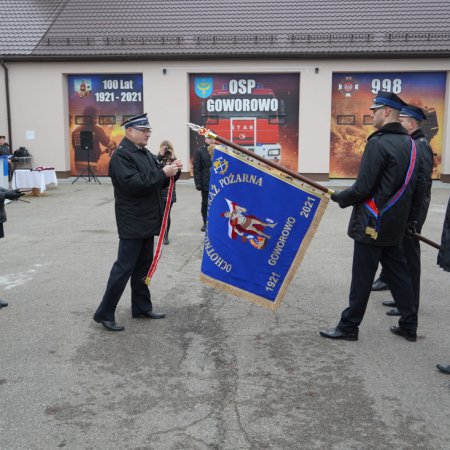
[165, 156]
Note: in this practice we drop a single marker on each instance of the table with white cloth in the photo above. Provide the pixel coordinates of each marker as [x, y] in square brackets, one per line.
[34, 179]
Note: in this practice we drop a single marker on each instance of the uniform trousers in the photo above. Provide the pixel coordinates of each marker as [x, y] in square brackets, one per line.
[366, 258]
[411, 250]
[205, 205]
[133, 261]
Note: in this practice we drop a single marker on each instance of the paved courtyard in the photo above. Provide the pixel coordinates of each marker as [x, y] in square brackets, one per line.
[219, 372]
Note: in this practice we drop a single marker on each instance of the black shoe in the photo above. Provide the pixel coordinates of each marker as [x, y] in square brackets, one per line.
[203, 228]
[3, 304]
[379, 285]
[408, 335]
[111, 326]
[166, 241]
[337, 333]
[393, 312]
[444, 368]
[149, 315]
[390, 303]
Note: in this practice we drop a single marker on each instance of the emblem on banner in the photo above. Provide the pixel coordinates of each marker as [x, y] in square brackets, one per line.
[220, 166]
[203, 87]
[250, 228]
[348, 87]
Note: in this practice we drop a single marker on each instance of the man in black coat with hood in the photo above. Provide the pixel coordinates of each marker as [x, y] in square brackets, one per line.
[381, 198]
[138, 180]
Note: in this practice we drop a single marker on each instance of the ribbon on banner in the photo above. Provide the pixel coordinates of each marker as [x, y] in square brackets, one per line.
[260, 223]
[162, 233]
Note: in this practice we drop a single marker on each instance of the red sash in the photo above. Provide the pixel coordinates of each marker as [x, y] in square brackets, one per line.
[162, 233]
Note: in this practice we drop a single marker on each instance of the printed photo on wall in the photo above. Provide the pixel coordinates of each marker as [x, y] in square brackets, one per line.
[98, 104]
[257, 111]
[351, 119]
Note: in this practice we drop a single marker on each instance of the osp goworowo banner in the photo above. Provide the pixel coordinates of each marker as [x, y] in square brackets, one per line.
[260, 224]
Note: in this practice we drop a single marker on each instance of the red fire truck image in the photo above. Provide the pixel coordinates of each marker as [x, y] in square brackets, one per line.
[251, 120]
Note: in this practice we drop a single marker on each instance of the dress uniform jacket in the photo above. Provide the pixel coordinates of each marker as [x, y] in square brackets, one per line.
[138, 180]
[382, 172]
[422, 195]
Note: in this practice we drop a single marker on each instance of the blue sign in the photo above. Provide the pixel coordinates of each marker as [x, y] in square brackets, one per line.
[259, 226]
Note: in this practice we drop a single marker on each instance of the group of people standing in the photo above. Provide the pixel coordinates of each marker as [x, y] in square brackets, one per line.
[390, 200]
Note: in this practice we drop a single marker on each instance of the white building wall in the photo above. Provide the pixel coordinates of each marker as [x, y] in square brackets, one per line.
[38, 94]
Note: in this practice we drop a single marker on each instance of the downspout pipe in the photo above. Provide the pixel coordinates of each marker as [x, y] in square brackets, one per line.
[8, 105]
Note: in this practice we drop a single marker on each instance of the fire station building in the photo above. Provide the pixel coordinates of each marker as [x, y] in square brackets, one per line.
[292, 81]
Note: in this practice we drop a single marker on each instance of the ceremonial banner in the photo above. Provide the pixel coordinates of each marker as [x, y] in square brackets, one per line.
[260, 224]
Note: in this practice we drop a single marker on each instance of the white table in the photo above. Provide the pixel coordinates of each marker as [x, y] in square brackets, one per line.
[34, 179]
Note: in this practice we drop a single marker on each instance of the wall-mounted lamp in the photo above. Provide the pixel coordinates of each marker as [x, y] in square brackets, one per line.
[164, 71]
[316, 70]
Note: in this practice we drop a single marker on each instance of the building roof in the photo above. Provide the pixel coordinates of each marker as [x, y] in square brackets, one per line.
[211, 28]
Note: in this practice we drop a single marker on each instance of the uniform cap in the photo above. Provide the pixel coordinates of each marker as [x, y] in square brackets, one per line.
[413, 111]
[388, 99]
[140, 121]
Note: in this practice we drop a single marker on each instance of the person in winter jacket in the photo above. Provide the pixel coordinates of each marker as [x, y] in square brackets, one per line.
[202, 168]
[382, 198]
[6, 194]
[411, 118]
[443, 261]
[166, 155]
[138, 180]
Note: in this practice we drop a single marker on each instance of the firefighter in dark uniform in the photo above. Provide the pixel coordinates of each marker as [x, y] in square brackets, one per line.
[6, 194]
[138, 180]
[411, 118]
[202, 168]
[381, 197]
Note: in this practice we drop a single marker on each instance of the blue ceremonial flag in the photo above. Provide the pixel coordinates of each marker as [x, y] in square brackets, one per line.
[260, 223]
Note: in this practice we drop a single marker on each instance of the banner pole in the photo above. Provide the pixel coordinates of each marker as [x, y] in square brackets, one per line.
[209, 134]
[419, 237]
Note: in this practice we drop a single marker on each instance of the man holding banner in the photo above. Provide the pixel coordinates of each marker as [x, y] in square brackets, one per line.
[381, 197]
[411, 118]
[138, 180]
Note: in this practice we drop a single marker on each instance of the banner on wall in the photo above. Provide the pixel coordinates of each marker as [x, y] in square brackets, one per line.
[351, 120]
[254, 242]
[98, 104]
[256, 111]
